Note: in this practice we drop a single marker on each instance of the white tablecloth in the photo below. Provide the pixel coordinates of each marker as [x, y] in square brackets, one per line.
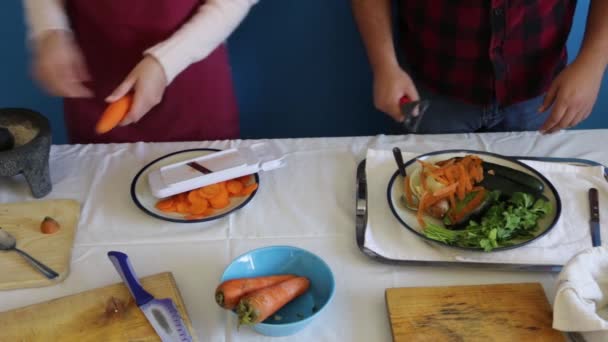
[309, 204]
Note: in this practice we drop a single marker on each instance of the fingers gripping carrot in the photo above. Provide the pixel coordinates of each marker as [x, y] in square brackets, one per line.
[228, 293]
[259, 305]
[114, 114]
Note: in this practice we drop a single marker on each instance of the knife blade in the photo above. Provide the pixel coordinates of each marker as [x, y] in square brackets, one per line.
[594, 222]
[161, 313]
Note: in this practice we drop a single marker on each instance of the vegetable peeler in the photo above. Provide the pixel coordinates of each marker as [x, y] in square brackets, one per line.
[413, 111]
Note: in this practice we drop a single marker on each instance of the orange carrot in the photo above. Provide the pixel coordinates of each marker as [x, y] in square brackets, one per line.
[452, 201]
[408, 191]
[220, 201]
[249, 189]
[234, 187]
[422, 208]
[423, 180]
[446, 191]
[210, 191]
[165, 204]
[428, 166]
[49, 225]
[114, 114]
[198, 203]
[245, 179]
[199, 207]
[257, 306]
[228, 293]
[474, 203]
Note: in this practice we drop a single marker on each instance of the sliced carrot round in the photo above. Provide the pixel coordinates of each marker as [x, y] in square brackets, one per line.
[183, 208]
[234, 187]
[249, 189]
[194, 196]
[221, 201]
[210, 191]
[245, 179]
[165, 204]
[199, 207]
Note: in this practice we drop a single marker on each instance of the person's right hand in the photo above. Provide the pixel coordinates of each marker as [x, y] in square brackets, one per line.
[59, 65]
[390, 86]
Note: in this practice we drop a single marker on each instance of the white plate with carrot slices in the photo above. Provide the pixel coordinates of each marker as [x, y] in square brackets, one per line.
[198, 205]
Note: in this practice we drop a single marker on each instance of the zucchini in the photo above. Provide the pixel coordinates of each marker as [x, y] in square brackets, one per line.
[507, 186]
[516, 176]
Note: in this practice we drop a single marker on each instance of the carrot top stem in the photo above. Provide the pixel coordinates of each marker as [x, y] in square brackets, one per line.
[247, 313]
[219, 298]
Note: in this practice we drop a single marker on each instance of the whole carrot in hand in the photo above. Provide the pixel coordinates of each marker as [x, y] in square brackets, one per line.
[259, 305]
[228, 293]
[114, 114]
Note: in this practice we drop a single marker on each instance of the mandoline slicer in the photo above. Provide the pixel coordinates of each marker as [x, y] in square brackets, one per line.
[214, 168]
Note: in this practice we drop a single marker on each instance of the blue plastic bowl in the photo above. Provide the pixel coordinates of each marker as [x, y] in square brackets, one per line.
[282, 260]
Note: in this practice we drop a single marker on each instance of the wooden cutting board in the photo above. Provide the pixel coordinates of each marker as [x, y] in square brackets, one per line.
[23, 220]
[91, 315]
[501, 312]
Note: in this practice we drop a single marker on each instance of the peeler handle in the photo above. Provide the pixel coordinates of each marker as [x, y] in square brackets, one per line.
[404, 100]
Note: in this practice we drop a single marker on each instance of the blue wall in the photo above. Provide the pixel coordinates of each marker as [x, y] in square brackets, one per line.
[299, 69]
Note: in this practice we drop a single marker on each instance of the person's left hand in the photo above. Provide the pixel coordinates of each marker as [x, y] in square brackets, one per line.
[148, 82]
[572, 95]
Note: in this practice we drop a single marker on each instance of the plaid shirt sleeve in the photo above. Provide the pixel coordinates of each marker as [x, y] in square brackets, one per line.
[481, 51]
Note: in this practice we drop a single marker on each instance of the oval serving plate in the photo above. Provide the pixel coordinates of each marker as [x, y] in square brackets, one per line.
[143, 198]
[407, 217]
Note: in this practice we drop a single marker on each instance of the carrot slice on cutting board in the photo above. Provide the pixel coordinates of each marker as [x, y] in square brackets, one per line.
[114, 114]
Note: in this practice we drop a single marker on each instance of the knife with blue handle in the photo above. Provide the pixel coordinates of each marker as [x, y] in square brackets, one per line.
[594, 222]
[161, 313]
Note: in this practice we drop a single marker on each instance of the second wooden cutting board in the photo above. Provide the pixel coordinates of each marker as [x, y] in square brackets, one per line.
[501, 312]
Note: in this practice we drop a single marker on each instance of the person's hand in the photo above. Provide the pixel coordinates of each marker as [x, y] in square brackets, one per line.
[572, 95]
[59, 65]
[390, 86]
[148, 82]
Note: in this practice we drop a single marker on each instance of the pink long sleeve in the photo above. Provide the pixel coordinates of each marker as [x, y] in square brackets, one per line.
[214, 21]
[208, 28]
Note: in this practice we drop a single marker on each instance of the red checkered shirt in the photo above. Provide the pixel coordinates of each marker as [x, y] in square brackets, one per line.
[481, 51]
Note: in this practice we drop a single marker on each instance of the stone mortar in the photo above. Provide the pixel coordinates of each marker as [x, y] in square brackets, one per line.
[32, 158]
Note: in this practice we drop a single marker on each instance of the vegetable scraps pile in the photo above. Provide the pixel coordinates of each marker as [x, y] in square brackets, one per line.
[455, 192]
[503, 222]
[202, 202]
[435, 188]
[256, 299]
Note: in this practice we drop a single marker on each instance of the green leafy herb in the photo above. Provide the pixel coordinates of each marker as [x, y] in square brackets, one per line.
[503, 221]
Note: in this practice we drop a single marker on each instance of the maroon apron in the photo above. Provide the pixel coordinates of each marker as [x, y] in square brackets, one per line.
[198, 105]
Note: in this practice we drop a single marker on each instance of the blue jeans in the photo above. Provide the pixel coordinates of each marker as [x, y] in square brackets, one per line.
[449, 115]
